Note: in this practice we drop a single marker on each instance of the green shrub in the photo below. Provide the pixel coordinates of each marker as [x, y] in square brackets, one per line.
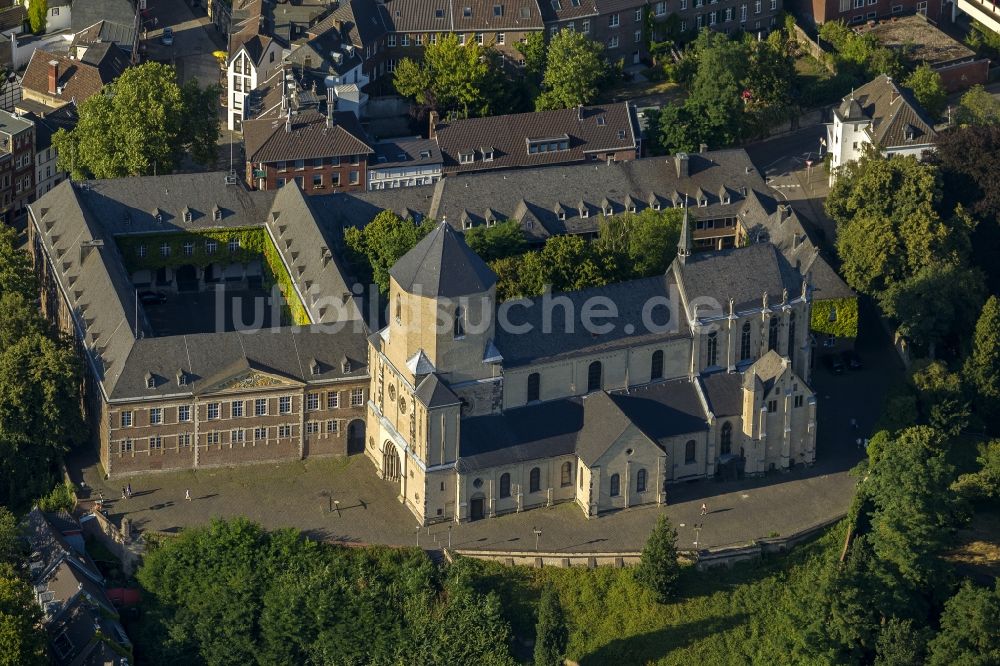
[62, 497]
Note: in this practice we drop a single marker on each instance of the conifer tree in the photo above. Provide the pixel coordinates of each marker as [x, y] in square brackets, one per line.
[658, 568]
[551, 633]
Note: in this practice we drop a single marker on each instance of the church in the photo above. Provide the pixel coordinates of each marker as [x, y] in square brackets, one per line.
[477, 409]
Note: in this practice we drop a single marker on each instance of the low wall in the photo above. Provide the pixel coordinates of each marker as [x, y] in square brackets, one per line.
[128, 552]
[814, 48]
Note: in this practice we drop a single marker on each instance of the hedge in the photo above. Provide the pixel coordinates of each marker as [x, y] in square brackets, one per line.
[255, 243]
[844, 325]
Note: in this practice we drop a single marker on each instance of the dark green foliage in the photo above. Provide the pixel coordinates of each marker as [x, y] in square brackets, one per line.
[983, 484]
[60, 499]
[37, 13]
[22, 643]
[232, 593]
[982, 369]
[942, 403]
[376, 247]
[551, 633]
[900, 644]
[928, 88]
[39, 385]
[501, 240]
[968, 633]
[658, 570]
[574, 71]
[860, 55]
[835, 316]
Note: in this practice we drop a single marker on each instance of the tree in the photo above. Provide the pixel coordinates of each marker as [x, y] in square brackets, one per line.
[636, 245]
[942, 403]
[860, 55]
[983, 484]
[769, 75]
[551, 634]
[928, 88]
[574, 71]
[380, 244]
[900, 643]
[141, 123]
[978, 107]
[38, 10]
[658, 569]
[22, 642]
[533, 49]
[909, 486]
[968, 633]
[452, 78]
[495, 242]
[982, 369]
[716, 95]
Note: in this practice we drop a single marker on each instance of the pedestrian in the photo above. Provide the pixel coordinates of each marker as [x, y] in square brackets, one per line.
[704, 508]
[187, 495]
[128, 490]
[123, 492]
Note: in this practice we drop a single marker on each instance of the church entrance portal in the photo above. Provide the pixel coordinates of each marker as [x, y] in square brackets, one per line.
[476, 508]
[355, 437]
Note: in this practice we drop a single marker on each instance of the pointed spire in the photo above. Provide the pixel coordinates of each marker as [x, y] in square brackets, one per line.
[684, 244]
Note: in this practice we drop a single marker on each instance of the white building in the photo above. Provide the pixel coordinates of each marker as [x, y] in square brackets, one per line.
[47, 172]
[882, 114]
[405, 163]
[254, 61]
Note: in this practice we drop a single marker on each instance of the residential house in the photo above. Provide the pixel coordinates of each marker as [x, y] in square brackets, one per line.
[47, 171]
[52, 81]
[17, 173]
[102, 21]
[881, 114]
[406, 162]
[856, 12]
[253, 61]
[538, 138]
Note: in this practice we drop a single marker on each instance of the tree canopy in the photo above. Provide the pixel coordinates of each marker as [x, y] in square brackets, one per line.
[38, 11]
[451, 77]
[928, 88]
[142, 123]
[374, 248]
[574, 71]
[551, 633]
[658, 569]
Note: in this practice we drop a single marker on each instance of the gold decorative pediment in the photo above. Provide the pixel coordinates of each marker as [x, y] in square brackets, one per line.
[251, 380]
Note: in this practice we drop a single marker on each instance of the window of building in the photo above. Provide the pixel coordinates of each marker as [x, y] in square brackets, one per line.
[504, 485]
[156, 443]
[236, 409]
[312, 401]
[317, 181]
[726, 439]
[534, 387]
[638, 36]
[237, 435]
[312, 427]
[212, 438]
[640, 481]
[213, 410]
[534, 480]
[797, 401]
[260, 407]
[501, 38]
[712, 349]
[594, 376]
[126, 419]
[211, 247]
[164, 249]
[459, 324]
[772, 406]
[613, 42]
[332, 400]
[566, 474]
[585, 26]
[285, 405]
[355, 178]
[259, 434]
[332, 427]
[772, 334]
[745, 342]
[357, 397]
[184, 413]
[743, 13]
[689, 452]
[392, 40]
[656, 365]
[156, 416]
[614, 21]
[184, 440]
[125, 446]
[284, 430]
[616, 485]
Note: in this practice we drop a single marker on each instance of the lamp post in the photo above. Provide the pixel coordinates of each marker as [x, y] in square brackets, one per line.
[697, 533]
[538, 533]
[449, 537]
[336, 504]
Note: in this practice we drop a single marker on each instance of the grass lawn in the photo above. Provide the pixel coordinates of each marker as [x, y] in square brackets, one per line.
[722, 616]
[634, 90]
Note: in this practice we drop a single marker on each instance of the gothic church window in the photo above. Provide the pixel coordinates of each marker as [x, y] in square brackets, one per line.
[772, 334]
[567, 475]
[745, 342]
[656, 366]
[616, 485]
[594, 376]
[504, 485]
[534, 480]
[712, 348]
[640, 481]
[726, 443]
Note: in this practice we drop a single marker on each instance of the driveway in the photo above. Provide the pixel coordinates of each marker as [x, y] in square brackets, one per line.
[195, 38]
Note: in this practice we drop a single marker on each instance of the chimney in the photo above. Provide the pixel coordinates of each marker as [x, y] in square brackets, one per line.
[53, 76]
[579, 111]
[681, 162]
[784, 210]
[331, 100]
[432, 130]
[288, 121]
[703, 148]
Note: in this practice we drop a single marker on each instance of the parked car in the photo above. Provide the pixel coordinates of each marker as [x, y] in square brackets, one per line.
[851, 359]
[167, 38]
[152, 297]
[834, 364]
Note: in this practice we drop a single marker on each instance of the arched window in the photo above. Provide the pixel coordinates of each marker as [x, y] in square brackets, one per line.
[689, 452]
[745, 342]
[534, 386]
[640, 481]
[791, 334]
[504, 485]
[656, 366]
[399, 309]
[712, 349]
[459, 324]
[726, 440]
[616, 485]
[772, 334]
[535, 480]
[566, 478]
[594, 378]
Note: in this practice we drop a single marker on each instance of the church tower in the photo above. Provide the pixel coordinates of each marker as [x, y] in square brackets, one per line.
[433, 363]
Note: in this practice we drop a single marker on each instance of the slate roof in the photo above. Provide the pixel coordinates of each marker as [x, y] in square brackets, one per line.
[765, 370]
[255, 46]
[663, 409]
[80, 79]
[89, 12]
[13, 16]
[508, 136]
[122, 34]
[434, 393]
[741, 274]
[723, 391]
[361, 22]
[409, 152]
[48, 548]
[267, 139]
[451, 16]
[517, 435]
[65, 117]
[537, 345]
[554, 11]
[603, 423]
[441, 264]
[896, 118]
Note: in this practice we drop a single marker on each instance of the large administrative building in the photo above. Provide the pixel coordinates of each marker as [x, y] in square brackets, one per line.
[703, 372]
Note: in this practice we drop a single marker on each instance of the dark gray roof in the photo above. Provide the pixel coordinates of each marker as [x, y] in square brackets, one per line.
[408, 152]
[433, 393]
[896, 117]
[742, 274]
[206, 359]
[88, 12]
[765, 371]
[443, 265]
[361, 22]
[603, 423]
[724, 393]
[448, 16]
[664, 409]
[64, 117]
[271, 139]
[48, 547]
[629, 297]
[517, 435]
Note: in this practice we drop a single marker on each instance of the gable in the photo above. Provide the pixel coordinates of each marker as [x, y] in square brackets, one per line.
[252, 379]
[643, 448]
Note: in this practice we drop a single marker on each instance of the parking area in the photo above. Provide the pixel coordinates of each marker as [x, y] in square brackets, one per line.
[215, 311]
[194, 40]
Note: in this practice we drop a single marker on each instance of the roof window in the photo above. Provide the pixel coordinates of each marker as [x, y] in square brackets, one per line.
[601, 120]
[497, 10]
[467, 12]
[439, 13]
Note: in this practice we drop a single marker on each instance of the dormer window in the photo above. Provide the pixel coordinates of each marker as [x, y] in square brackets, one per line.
[621, 134]
[314, 368]
[345, 366]
[656, 205]
[702, 203]
[487, 154]
[584, 211]
[150, 381]
[466, 223]
[608, 211]
[216, 213]
[525, 12]
[548, 144]
[726, 199]
[467, 12]
[467, 158]
[182, 379]
[602, 121]
[438, 13]
[187, 215]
